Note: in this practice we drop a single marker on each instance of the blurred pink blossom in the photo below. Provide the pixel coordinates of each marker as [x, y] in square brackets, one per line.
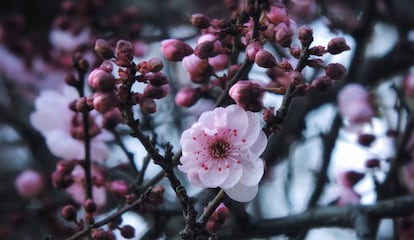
[29, 184]
[223, 150]
[354, 104]
[53, 117]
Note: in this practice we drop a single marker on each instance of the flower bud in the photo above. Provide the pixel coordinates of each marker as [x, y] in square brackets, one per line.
[29, 184]
[337, 45]
[157, 195]
[205, 50]
[366, 139]
[155, 65]
[187, 97]
[127, 231]
[69, 212]
[103, 49]
[335, 70]
[248, 95]
[65, 166]
[154, 92]
[124, 53]
[90, 206]
[102, 101]
[175, 50]
[283, 35]
[295, 51]
[61, 180]
[277, 15]
[71, 80]
[265, 59]
[157, 79]
[305, 35]
[148, 105]
[200, 20]
[219, 62]
[112, 118]
[82, 105]
[317, 50]
[322, 83]
[119, 187]
[252, 49]
[101, 80]
[106, 66]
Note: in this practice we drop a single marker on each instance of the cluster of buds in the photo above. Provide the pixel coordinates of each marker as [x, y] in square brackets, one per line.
[218, 218]
[111, 92]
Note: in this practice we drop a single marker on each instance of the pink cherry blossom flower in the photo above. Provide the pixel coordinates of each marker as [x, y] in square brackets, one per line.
[354, 104]
[223, 150]
[53, 119]
[29, 184]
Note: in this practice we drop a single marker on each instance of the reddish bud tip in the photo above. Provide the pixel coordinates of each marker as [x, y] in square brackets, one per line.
[69, 212]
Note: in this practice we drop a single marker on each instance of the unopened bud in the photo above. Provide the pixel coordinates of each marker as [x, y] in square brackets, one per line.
[200, 20]
[102, 101]
[119, 187]
[175, 50]
[148, 105]
[335, 70]
[101, 80]
[111, 119]
[90, 206]
[29, 184]
[252, 49]
[187, 97]
[154, 92]
[103, 49]
[71, 80]
[69, 212]
[82, 105]
[155, 65]
[156, 79]
[124, 53]
[295, 51]
[283, 35]
[205, 50]
[305, 35]
[317, 50]
[322, 83]
[337, 45]
[265, 59]
[248, 95]
[127, 231]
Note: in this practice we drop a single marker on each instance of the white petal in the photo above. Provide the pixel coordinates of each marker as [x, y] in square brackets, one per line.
[252, 172]
[194, 178]
[234, 176]
[260, 145]
[214, 176]
[61, 144]
[242, 193]
[46, 121]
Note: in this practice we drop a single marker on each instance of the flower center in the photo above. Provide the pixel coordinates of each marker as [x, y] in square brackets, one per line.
[219, 149]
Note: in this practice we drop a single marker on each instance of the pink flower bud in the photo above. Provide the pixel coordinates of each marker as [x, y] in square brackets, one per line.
[305, 35]
[140, 48]
[219, 62]
[175, 50]
[322, 83]
[111, 119]
[265, 59]
[102, 101]
[200, 20]
[148, 105]
[124, 53]
[187, 97]
[104, 49]
[155, 65]
[248, 95]
[205, 50]
[29, 184]
[317, 50]
[337, 45]
[156, 79]
[335, 70]
[90, 206]
[295, 51]
[101, 80]
[277, 15]
[119, 187]
[82, 105]
[252, 49]
[155, 92]
[106, 66]
[69, 212]
[127, 231]
[198, 69]
[218, 218]
[283, 35]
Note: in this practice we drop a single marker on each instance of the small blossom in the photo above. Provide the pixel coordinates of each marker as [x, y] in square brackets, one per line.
[354, 104]
[223, 150]
[29, 184]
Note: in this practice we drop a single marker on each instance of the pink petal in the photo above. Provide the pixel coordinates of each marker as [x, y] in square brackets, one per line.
[215, 174]
[260, 145]
[61, 144]
[194, 178]
[234, 176]
[242, 193]
[252, 172]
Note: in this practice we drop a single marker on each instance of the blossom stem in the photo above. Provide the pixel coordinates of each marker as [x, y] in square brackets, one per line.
[211, 207]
